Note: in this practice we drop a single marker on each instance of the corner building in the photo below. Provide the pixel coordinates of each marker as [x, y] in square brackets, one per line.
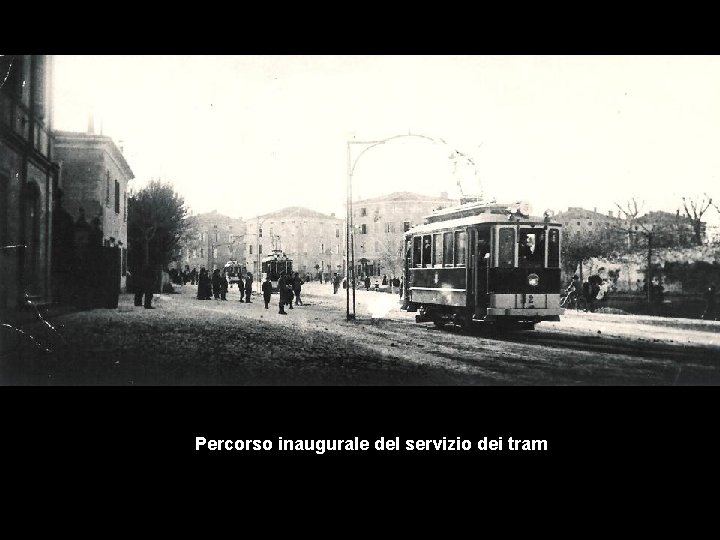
[28, 177]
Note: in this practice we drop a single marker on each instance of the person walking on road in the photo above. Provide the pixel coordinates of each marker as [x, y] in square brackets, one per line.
[267, 290]
[297, 284]
[248, 287]
[148, 279]
[216, 284]
[282, 290]
[223, 286]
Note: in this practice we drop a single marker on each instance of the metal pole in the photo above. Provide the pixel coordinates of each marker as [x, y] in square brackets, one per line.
[348, 213]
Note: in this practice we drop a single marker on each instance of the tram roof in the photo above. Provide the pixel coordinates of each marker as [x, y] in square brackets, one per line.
[484, 219]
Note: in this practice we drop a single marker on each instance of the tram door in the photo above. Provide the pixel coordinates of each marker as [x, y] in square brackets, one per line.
[481, 266]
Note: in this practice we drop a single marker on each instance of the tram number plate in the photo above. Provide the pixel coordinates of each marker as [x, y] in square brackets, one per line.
[532, 301]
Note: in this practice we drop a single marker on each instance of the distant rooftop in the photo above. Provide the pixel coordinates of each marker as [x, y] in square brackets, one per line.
[405, 196]
[295, 212]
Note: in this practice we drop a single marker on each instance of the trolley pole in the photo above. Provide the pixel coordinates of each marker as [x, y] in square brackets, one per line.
[348, 225]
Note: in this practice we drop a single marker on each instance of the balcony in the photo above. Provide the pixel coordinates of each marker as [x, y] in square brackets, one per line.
[18, 120]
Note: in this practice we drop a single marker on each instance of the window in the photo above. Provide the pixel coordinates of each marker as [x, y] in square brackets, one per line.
[426, 251]
[250, 249]
[590, 223]
[202, 252]
[416, 252]
[389, 227]
[554, 248]
[406, 226]
[337, 232]
[260, 249]
[216, 235]
[363, 229]
[506, 248]
[363, 212]
[215, 253]
[460, 247]
[107, 188]
[437, 249]
[260, 232]
[578, 223]
[483, 246]
[448, 249]
[117, 197]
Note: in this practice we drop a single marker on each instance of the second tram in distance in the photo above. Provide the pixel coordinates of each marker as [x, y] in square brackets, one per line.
[275, 263]
[483, 263]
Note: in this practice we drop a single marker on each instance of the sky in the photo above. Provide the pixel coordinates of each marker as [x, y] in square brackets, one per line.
[246, 135]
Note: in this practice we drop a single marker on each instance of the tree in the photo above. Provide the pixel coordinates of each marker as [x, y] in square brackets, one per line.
[391, 255]
[156, 223]
[695, 214]
[599, 242]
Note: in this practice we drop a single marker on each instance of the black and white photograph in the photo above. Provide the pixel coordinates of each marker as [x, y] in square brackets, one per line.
[380, 220]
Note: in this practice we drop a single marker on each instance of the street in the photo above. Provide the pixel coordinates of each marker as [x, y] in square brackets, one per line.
[185, 341]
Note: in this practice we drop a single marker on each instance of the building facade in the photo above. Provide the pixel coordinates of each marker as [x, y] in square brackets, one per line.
[379, 225]
[313, 240]
[94, 179]
[28, 177]
[579, 221]
[214, 240]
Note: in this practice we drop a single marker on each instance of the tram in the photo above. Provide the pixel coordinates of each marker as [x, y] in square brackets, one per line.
[273, 264]
[484, 263]
[234, 272]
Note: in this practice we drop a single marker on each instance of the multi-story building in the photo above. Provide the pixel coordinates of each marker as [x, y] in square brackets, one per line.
[94, 178]
[579, 221]
[379, 225]
[214, 240]
[28, 177]
[315, 241]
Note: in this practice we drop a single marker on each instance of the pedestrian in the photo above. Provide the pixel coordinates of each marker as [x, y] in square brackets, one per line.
[203, 285]
[148, 285]
[248, 287]
[282, 290]
[385, 279]
[710, 312]
[297, 284]
[267, 290]
[193, 276]
[216, 284]
[223, 286]
[336, 283]
[367, 283]
[137, 287]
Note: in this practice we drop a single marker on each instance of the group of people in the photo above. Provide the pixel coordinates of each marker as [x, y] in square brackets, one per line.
[216, 285]
[289, 288]
[592, 291]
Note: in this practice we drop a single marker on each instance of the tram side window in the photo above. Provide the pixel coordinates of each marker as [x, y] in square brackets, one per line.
[460, 248]
[437, 249]
[426, 251]
[417, 251]
[483, 248]
[448, 249]
[554, 248]
[506, 248]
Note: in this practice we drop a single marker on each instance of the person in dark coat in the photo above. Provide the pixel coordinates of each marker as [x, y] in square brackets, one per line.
[267, 290]
[216, 284]
[223, 286]
[248, 287]
[203, 285]
[336, 283]
[148, 284]
[710, 313]
[367, 283]
[297, 284]
[193, 276]
[282, 289]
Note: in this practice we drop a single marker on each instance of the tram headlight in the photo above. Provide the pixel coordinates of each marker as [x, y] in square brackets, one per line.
[533, 280]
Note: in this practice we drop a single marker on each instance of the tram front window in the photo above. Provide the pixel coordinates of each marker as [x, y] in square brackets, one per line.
[531, 248]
